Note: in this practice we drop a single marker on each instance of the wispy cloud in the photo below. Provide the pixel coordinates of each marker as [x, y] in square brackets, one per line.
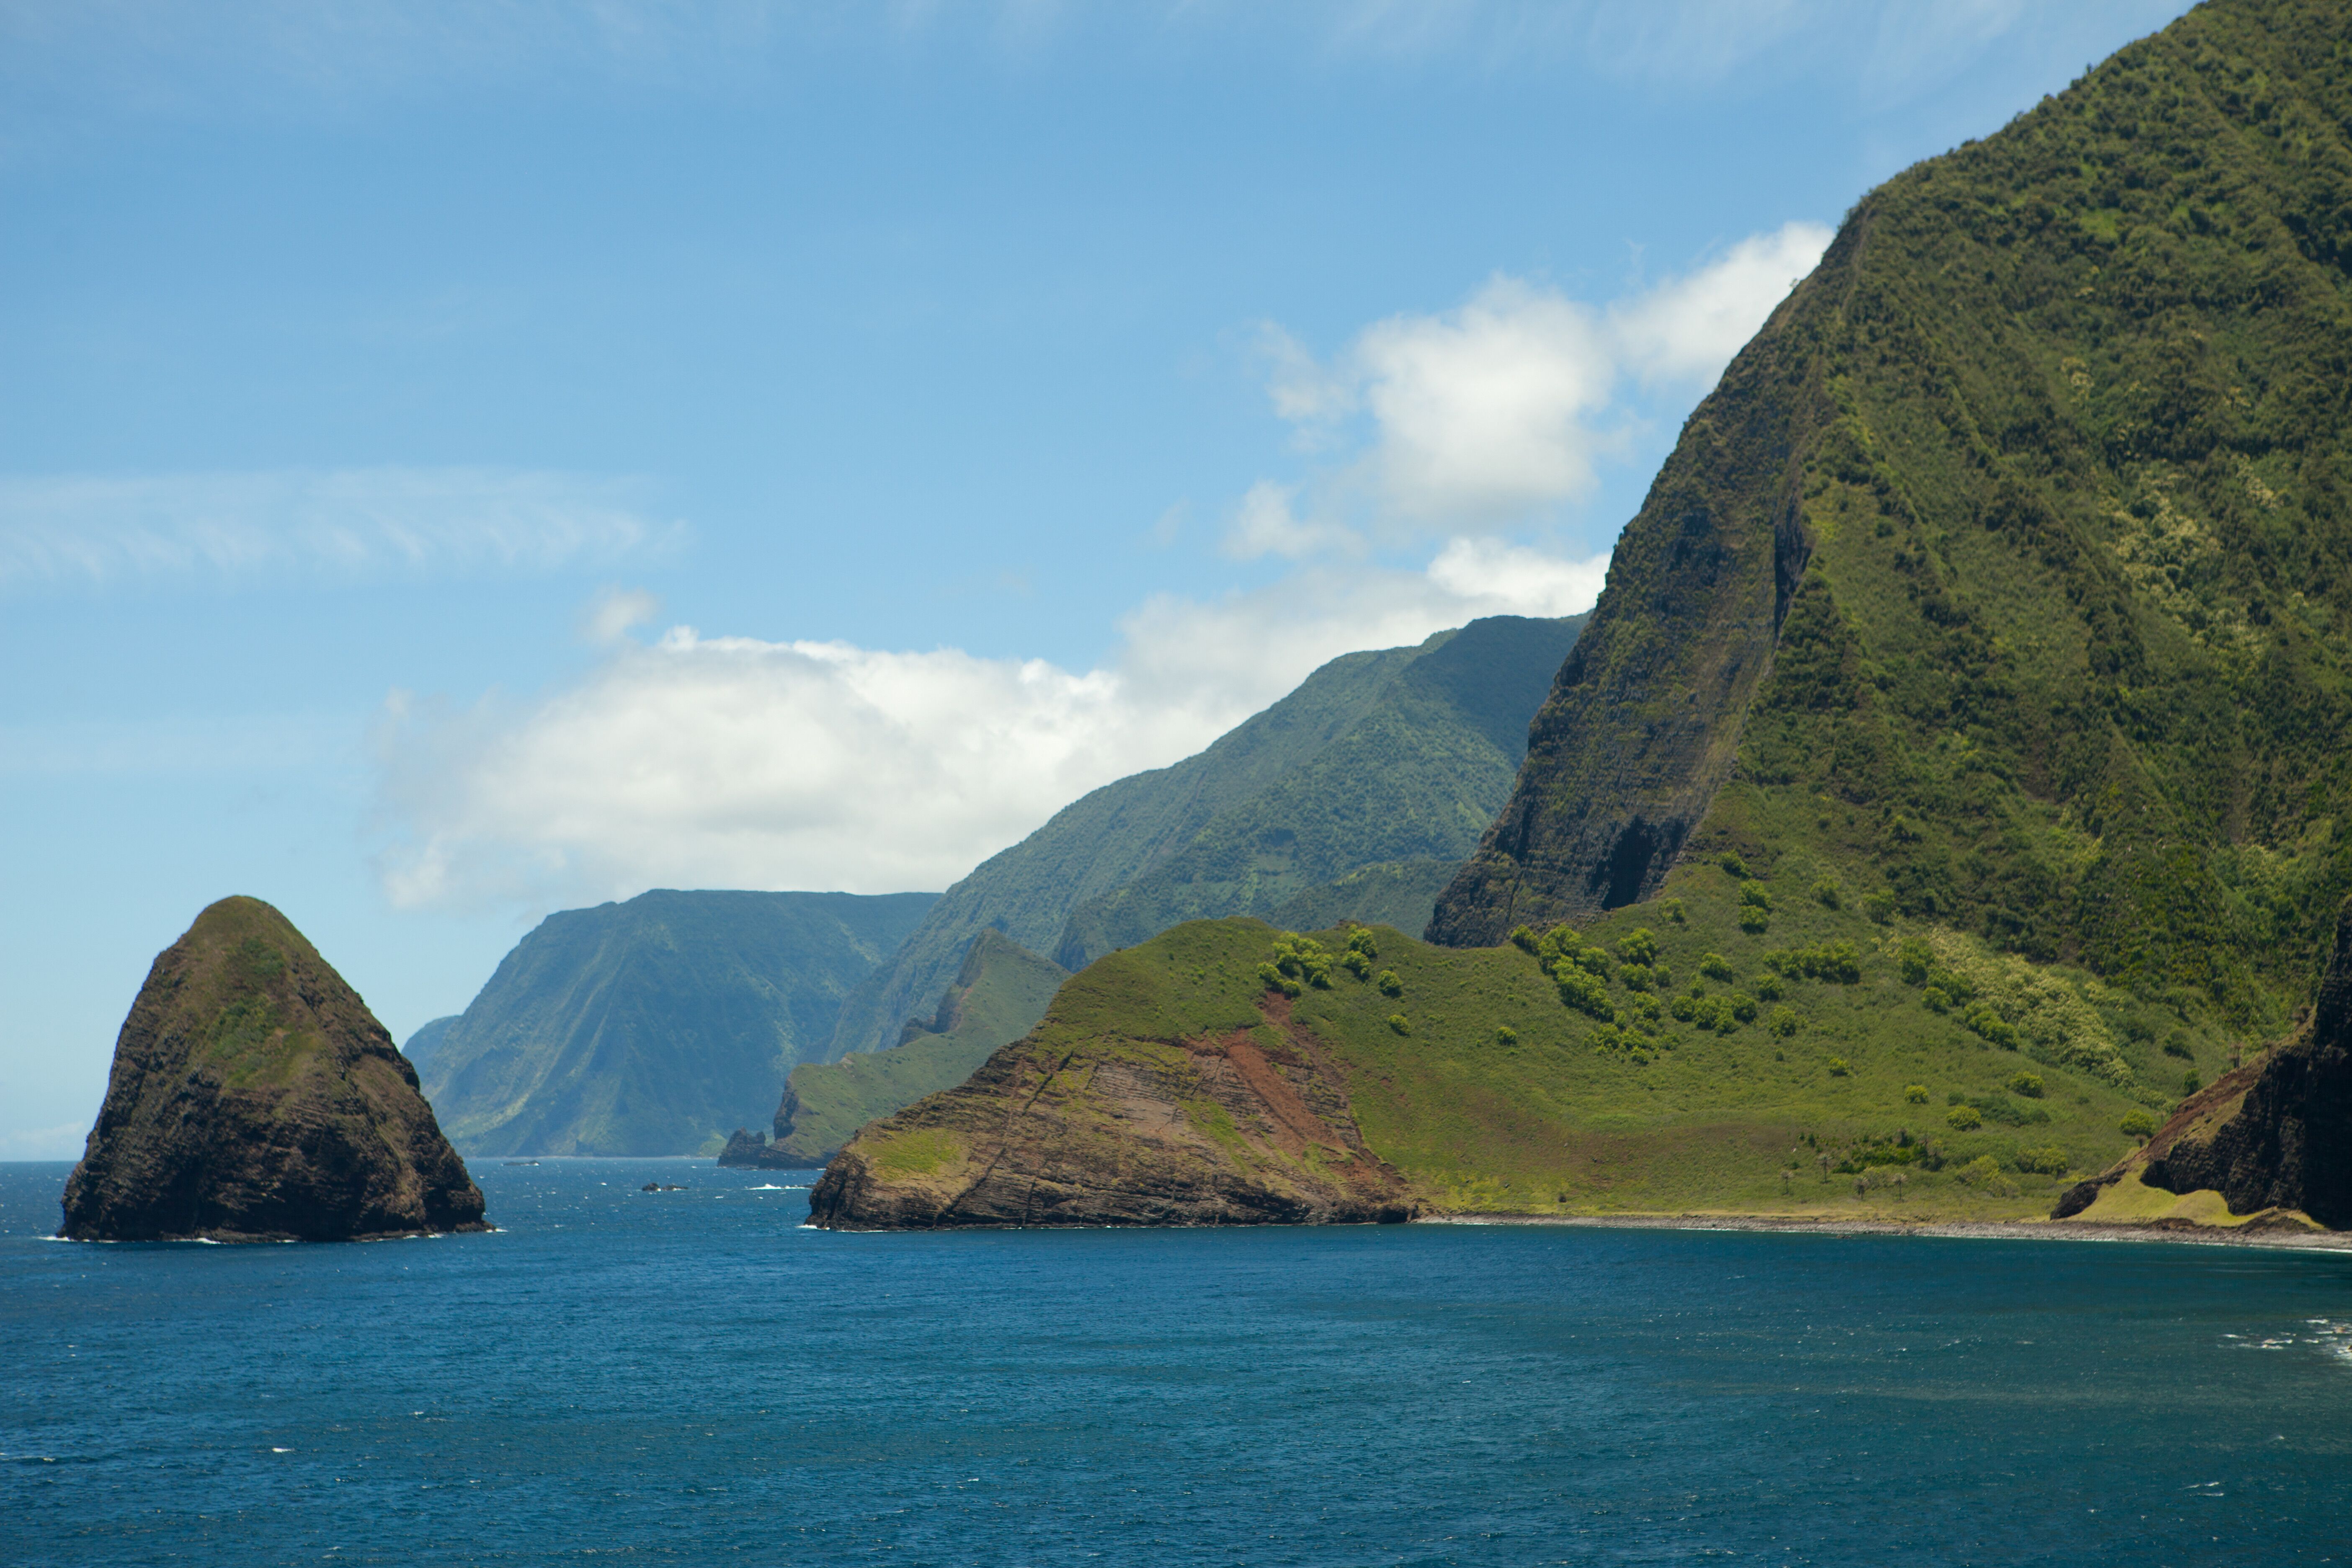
[1480, 416]
[347, 523]
[735, 762]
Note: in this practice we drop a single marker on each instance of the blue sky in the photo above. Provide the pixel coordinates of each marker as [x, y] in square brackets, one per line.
[461, 461]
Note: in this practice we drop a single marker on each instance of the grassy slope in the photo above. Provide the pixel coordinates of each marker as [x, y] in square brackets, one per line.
[1000, 993]
[1548, 1125]
[654, 1025]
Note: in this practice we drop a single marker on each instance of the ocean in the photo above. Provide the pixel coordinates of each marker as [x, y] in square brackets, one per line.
[693, 1376]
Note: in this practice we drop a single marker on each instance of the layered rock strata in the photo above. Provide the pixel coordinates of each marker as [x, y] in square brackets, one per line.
[1247, 1126]
[255, 1098]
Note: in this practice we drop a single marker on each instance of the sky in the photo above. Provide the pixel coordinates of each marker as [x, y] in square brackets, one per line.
[460, 461]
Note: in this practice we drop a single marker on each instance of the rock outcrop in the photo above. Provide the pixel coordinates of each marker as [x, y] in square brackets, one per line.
[255, 1098]
[1248, 1124]
[750, 1150]
[2278, 1133]
[2274, 1135]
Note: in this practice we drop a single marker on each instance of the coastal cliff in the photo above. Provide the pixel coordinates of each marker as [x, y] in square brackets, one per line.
[2274, 1136]
[255, 1098]
[1216, 1109]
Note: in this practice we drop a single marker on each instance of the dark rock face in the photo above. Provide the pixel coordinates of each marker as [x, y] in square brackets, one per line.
[1643, 722]
[1239, 1129]
[750, 1150]
[254, 1097]
[2290, 1143]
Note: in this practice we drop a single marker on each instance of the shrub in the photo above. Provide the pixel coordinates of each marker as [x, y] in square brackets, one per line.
[1301, 958]
[1583, 993]
[1686, 1007]
[2139, 1123]
[1713, 965]
[1879, 906]
[1917, 1093]
[1673, 908]
[1742, 1006]
[1913, 960]
[1639, 945]
[1634, 976]
[1838, 1068]
[1982, 1020]
[2049, 1161]
[1754, 893]
[1838, 960]
[1523, 938]
[2028, 1084]
[1706, 1011]
[1768, 987]
[1358, 964]
[1784, 1021]
[1276, 980]
[1401, 1024]
[1359, 941]
[1731, 861]
[1964, 1118]
[1983, 1172]
[1752, 920]
[1388, 983]
[1825, 893]
[2176, 1044]
[2189, 1084]
[1506, 1035]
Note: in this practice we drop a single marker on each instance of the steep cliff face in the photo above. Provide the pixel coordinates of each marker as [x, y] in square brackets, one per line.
[2287, 1142]
[1196, 1111]
[254, 1097]
[650, 1026]
[2008, 573]
[1397, 755]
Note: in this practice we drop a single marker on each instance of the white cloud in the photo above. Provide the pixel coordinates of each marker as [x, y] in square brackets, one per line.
[1501, 408]
[1264, 524]
[1688, 329]
[337, 523]
[732, 762]
[617, 612]
[1483, 411]
[1527, 580]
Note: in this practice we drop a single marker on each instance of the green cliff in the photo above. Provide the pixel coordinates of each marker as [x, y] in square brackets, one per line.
[652, 1026]
[1399, 755]
[1950, 779]
[2009, 570]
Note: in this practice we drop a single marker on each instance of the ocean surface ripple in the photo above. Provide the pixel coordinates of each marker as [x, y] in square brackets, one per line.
[692, 1376]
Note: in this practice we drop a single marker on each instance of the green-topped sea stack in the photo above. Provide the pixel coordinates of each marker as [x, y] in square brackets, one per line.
[255, 1098]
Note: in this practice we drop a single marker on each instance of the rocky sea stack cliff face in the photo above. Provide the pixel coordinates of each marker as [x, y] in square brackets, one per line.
[255, 1098]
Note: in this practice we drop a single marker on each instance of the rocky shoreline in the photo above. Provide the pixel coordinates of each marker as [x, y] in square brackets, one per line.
[1979, 1230]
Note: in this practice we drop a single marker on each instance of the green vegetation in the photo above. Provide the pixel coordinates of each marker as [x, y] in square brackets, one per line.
[998, 997]
[1493, 1092]
[2044, 476]
[1355, 796]
[658, 1025]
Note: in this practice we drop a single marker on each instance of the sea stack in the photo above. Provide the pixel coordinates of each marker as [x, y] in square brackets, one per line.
[255, 1098]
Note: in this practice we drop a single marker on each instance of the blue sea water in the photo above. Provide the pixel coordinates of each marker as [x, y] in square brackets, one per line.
[693, 1377]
